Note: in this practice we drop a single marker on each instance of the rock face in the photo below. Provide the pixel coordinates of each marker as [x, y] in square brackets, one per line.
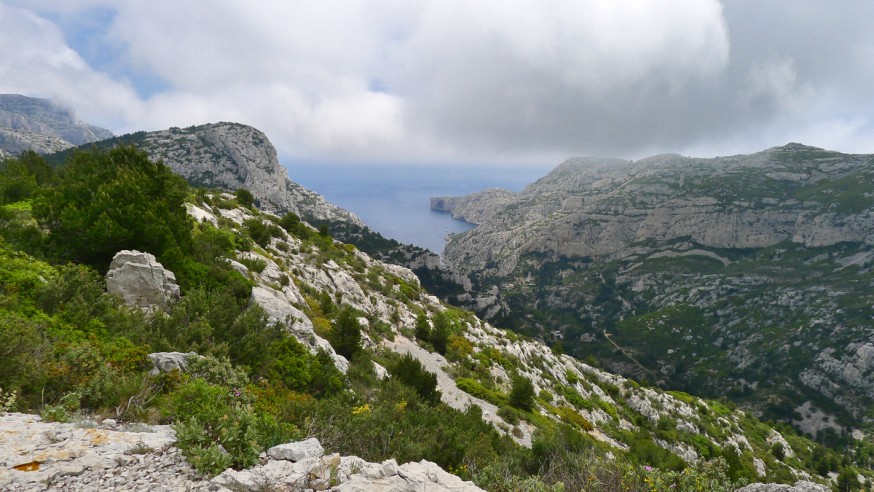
[28, 123]
[168, 361]
[723, 265]
[476, 208]
[231, 156]
[37, 455]
[140, 280]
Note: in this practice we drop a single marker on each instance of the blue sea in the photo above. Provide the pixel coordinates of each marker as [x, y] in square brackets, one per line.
[394, 199]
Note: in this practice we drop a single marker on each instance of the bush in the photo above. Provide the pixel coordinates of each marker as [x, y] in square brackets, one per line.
[219, 430]
[345, 335]
[409, 371]
[423, 328]
[522, 394]
[244, 197]
[104, 202]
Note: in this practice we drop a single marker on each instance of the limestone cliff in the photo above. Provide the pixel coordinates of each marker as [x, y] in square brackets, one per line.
[231, 156]
[610, 209]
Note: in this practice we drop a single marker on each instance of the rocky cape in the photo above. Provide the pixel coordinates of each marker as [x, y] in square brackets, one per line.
[747, 272]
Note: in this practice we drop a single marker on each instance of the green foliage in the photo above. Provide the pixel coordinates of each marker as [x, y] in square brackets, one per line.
[475, 388]
[522, 393]
[291, 364]
[244, 197]
[7, 400]
[345, 335]
[423, 328]
[20, 177]
[214, 417]
[441, 332]
[409, 371]
[104, 202]
[261, 232]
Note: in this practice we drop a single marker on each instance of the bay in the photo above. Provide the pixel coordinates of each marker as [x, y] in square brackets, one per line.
[394, 200]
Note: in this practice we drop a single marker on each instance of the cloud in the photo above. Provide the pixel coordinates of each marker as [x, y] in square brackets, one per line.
[42, 64]
[454, 80]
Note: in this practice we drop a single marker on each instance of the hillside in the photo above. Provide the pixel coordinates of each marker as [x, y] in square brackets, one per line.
[303, 336]
[747, 276]
[229, 156]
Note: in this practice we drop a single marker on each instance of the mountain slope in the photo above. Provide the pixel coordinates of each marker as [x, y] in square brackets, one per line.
[501, 409]
[28, 123]
[745, 274]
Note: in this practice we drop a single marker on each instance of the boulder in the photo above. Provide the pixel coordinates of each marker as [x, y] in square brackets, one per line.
[168, 361]
[141, 280]
[297, 451]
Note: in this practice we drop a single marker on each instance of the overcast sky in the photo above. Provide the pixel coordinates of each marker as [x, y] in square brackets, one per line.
[459, 80]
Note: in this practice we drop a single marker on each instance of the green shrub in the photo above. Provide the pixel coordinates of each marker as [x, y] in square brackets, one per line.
[522, 393]
[104, 202]
[409, 371]
[423, 328]
[475, 388]
[244, 197]
[345, 334]
[509, 414]
[213, 416]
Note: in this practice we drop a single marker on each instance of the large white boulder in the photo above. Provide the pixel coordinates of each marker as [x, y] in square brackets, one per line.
[141, 280]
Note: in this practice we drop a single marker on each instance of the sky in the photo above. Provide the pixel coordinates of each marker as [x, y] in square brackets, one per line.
[458, 82]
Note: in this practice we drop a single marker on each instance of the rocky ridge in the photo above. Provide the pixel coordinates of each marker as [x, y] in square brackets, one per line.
[608, 209]
[755, 268]
[28, 123]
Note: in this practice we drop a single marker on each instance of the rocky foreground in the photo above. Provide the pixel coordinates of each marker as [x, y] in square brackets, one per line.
[89, 456]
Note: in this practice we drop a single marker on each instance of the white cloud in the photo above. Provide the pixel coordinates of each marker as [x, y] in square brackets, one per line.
[457, 80]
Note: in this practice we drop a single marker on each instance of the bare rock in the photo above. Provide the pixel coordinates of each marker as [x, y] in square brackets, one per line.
[297, 451]
[141, 280]
[168, 361]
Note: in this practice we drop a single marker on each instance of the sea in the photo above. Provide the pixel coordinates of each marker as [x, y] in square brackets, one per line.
[394, 200]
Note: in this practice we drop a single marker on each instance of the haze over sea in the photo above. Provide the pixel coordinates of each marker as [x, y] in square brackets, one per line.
[394, 199]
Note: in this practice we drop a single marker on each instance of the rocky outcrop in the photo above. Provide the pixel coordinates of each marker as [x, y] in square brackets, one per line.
[231, 156]
[800, 486]
[42, 456]
[141, 280]
[475, 208]
[759, 255]
[14, 142]
[37, 456]
[307, 469]
[41, 125]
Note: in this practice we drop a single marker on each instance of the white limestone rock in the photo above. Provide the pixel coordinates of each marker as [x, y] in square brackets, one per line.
[168, 361]
[297, 451]
[141, 280]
